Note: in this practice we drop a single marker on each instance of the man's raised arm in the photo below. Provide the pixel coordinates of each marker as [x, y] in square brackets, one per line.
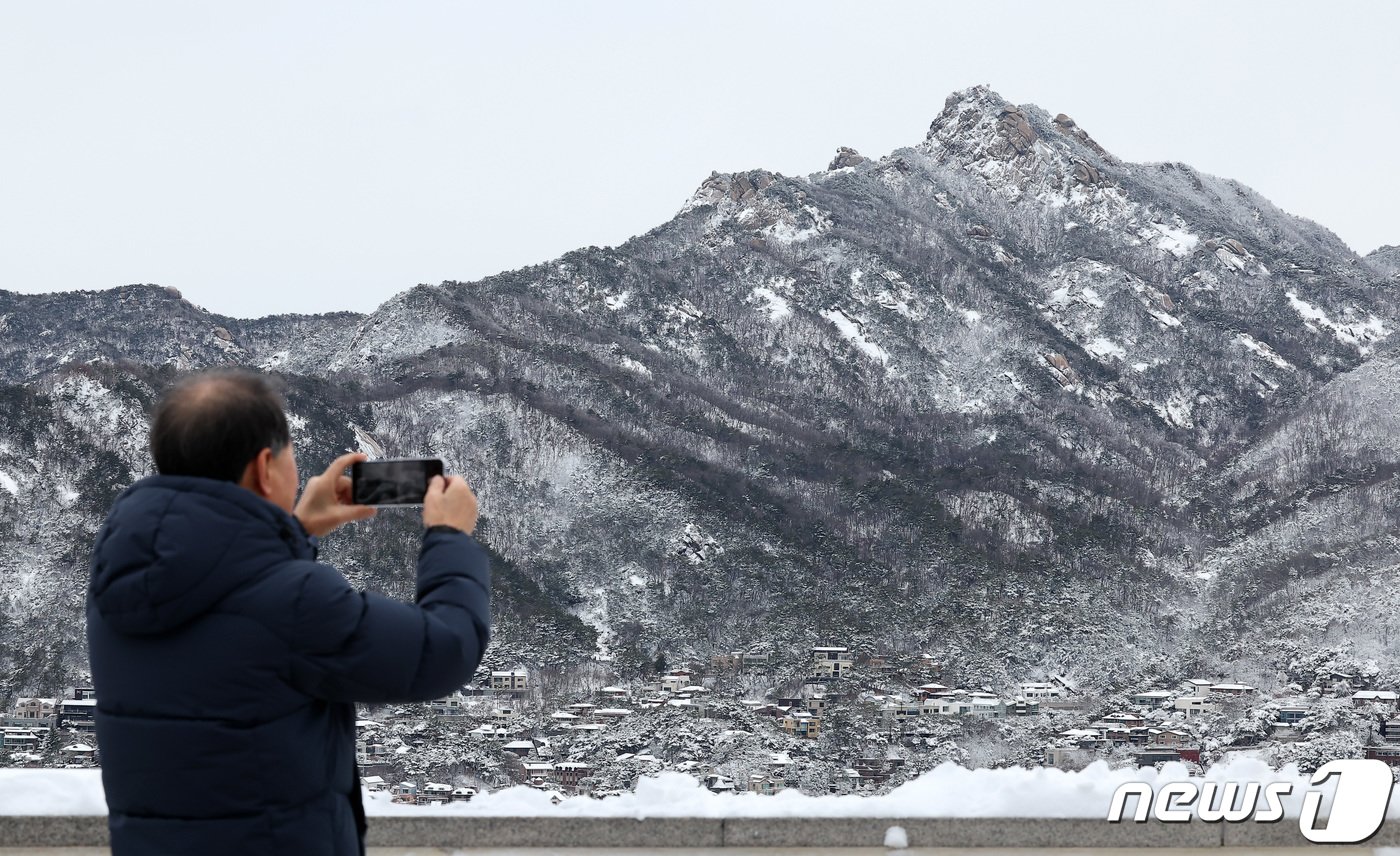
[361, 646]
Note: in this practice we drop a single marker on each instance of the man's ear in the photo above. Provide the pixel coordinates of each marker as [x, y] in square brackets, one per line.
[257, 476]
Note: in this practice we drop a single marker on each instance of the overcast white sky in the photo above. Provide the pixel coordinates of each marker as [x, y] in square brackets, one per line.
[268, 157]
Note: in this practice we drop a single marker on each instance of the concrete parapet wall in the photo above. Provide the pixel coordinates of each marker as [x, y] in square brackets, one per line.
[660, 833]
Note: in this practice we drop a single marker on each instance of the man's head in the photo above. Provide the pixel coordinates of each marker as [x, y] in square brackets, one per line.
[229, 425]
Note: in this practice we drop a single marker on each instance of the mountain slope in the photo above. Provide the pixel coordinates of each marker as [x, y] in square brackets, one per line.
[972, 396]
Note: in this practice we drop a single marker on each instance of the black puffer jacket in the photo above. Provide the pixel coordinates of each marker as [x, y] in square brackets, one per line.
[226, 661]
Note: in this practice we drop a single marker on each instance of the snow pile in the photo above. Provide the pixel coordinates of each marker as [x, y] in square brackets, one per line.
[33, 792]
[946, 791]
[852, 331]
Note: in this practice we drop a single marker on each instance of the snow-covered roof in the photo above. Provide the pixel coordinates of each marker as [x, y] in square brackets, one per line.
[1378, 695]
[612, 711]
[1154, 694]
[1232, 687]
[372, 780]
[559, 714]
[613, 690]
[830, 650]
[519, 744]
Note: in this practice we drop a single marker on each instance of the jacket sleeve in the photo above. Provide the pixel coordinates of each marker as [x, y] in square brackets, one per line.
[361, 646]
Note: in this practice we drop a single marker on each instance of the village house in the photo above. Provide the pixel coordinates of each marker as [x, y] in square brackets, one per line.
[520, 748]
[1390, 730]
[1365, 697]
[1285, 725]
[611, 713]
[832, 662]
[729, 661]
[1021, 707]
[766, 785]
[871, 773]
[463, 794]
[563, 719]
[82, 693]
[374, 783]
[898, 713]
[1389, 753]
[718, 784]
[1196, 686]
[1193, 705]
[434, 792]
[675, 682]
[405, 792]
[614, 693]
[1152, 698]
[755, 659]
[18, 738]
[582, 709]
[923, 691]
[1291, 714]
[1119, 720]
[1169, 737]
[537, 772]
[33, 713]
[977, 704]
[78, 714]
[452, 705]
[800, 723]
[1156, 755]
[1232, 689]
[512, 681]
[569, 773]
[1032, 690]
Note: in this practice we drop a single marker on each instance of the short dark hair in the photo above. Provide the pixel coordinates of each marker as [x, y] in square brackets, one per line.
[212, 424]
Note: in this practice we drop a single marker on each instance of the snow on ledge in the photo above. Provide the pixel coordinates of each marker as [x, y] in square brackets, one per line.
[946, 791]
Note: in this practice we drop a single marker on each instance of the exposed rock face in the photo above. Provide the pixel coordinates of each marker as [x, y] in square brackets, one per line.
[914, 403]
[1067, 125]
[1016, 131]
[736, 187]
[846, 157]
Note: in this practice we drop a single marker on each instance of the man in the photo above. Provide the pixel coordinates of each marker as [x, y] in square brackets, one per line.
[227, 660]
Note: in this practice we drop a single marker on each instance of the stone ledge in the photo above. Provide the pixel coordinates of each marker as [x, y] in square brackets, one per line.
[448, 833]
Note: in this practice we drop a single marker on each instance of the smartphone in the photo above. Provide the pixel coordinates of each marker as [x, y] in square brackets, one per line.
[393, 481]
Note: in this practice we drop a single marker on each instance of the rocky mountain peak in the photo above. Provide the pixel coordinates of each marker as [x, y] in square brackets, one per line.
[723, 187]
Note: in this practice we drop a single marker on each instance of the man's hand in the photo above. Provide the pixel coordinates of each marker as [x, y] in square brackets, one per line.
[325, 504]
[450, 502]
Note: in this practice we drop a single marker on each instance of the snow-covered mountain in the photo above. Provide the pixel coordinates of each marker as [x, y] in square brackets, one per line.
[998, 395]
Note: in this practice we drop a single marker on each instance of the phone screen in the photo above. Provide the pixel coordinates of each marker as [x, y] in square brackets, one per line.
[392, 482]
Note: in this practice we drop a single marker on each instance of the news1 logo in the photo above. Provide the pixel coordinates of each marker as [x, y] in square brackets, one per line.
[1358, 806]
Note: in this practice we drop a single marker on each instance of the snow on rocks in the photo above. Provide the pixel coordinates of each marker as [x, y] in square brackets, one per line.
[1359, 334]
[851, 329]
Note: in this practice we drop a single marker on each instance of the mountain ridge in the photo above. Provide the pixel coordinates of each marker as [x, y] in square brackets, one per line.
[970, 396]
